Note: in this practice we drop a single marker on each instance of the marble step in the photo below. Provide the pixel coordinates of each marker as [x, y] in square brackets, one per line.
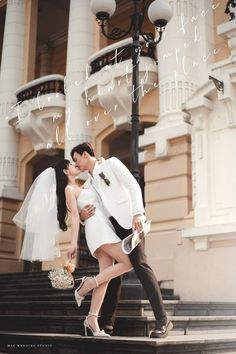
[6, 278]
[128, 291]
[55, 307]
[22, 288]
[66, 305]
[29, 285]
[45, 284]
[124, 325]
[60, 343]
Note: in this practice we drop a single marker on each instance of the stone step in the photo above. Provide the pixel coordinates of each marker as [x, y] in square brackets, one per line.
[25, 285]
[41, 343]
[133, 291]
[29, 276]
[45, 284]
[183, 325]
[6, 278]
[42, 273]
[124, 325]
[200, 308]
[16, 275]
[55, 307]
[65, 304]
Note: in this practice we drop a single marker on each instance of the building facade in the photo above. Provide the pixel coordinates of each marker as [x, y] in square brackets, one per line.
[62, 83]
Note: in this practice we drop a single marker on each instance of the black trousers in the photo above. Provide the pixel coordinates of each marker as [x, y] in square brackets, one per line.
[146, 276]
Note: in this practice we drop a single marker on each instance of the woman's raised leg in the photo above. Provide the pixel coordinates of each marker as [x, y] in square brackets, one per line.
[108, 270]
[98, 294]
[122, 266]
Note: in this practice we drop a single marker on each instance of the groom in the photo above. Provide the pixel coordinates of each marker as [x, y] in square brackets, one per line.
[121, 198]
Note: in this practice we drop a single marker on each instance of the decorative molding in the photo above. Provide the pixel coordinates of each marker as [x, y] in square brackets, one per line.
[75, 139]
[173, 95]
[205, 235]
[199, 108]
[160, 136]
[39, 112]
[213, 115]
[142, 156]
[184, 7]
[39, 120]
[10, 192]
[228, 97]
[194, 171]
[8, 168]
[228, 31]
[16, 3]
[5, 109]
[231, 111]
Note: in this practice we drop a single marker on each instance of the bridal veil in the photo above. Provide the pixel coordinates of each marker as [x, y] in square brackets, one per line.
[38, 216]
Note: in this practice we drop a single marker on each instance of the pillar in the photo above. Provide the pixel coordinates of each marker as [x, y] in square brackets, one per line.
[11, 75]
[80, 47]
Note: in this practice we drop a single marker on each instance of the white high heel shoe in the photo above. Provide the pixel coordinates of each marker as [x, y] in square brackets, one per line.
[78, 297]
[99, 333]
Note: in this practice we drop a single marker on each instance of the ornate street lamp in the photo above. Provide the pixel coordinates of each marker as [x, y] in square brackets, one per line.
[159, 13]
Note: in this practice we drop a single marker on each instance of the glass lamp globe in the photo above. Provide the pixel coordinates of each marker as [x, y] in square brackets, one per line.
[103, 9]
[159, 13]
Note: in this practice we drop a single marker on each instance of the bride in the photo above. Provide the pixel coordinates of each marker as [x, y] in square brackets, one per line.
[44, 212]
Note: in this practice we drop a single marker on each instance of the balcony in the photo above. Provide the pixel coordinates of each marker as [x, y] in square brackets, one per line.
[109, 83]
[39, 111]
[43, 86]
[113, 56]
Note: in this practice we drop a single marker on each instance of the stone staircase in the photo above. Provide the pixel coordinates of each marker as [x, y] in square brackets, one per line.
[35, 318]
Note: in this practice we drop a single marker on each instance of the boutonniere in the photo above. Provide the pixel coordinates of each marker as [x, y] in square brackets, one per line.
[104, 178]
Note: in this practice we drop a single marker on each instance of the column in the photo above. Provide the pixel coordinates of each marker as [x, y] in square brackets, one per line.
[184, 55]
[176, 53]
[80, 47]
[10, 79]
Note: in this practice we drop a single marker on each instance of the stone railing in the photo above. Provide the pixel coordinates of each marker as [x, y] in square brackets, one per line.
[42, 86]
[117, 53]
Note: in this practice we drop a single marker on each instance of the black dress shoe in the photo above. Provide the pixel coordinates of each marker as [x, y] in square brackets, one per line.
[108, 329]
[161, 331]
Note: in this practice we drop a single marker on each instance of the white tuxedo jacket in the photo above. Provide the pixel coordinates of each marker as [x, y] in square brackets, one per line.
[122, 198]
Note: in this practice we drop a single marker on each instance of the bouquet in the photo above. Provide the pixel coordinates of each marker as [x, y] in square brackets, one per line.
[62, 278]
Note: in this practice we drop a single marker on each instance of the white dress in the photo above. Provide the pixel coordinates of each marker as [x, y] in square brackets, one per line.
[98, 228]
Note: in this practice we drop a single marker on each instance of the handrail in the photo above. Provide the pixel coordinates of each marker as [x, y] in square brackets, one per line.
[42, 86]
[116, 53]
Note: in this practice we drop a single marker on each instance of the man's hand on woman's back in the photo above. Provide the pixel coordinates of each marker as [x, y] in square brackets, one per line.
[87, 212]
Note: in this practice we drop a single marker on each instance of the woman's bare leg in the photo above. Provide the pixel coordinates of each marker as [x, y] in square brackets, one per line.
[98, 294]
[122, 266]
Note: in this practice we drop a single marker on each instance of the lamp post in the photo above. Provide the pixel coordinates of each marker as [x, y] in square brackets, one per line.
[159, 13]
